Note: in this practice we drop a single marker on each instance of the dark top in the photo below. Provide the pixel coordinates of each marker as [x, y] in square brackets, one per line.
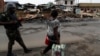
[10, 17]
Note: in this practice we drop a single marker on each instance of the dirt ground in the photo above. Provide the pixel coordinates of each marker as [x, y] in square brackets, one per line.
[86, 45]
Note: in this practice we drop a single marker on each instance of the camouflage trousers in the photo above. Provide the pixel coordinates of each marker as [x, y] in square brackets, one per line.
[13, 35]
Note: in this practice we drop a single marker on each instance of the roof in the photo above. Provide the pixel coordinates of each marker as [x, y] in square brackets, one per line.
[89, 4]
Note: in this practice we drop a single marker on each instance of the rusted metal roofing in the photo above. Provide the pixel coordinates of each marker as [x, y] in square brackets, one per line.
[89, 4]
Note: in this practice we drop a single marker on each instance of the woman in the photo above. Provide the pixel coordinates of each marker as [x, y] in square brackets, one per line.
[53, 32]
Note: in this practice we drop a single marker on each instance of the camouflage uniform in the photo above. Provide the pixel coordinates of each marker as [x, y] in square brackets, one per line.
[12, 29]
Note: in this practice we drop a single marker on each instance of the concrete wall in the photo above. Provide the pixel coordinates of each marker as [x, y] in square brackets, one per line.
[69, 6]
[62, 2]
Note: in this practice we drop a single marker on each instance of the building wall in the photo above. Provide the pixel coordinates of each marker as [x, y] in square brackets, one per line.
[68, 3]
[90, 10]
[60, 2]
[1, 5]
[95, 12]
[90, 7]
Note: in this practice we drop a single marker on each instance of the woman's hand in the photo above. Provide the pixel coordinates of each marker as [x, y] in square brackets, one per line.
[58, 40]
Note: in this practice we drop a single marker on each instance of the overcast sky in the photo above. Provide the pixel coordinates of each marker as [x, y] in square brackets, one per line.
[46, 1]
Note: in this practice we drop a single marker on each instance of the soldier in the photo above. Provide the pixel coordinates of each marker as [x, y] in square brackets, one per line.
[11, 24]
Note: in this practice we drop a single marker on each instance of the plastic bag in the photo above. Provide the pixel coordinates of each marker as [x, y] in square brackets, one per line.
[58, 50]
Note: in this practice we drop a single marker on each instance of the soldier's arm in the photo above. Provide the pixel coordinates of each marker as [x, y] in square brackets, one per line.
[3, 20]
[10, 22]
